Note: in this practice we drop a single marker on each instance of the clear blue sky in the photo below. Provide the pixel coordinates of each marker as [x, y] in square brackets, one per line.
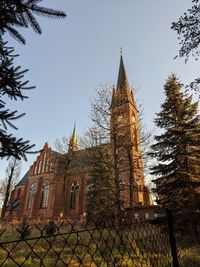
[76, 55]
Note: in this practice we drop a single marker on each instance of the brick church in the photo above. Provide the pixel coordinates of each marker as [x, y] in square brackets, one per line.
[56, 185]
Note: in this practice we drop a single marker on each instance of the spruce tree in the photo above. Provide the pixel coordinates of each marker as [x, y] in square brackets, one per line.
[15, 14]
[177, 150]
[188, 30]
[101, 192]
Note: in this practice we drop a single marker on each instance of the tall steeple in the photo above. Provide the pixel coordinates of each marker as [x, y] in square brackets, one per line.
[123, 93]
[73, 140]
[122, 77]
[125, 139]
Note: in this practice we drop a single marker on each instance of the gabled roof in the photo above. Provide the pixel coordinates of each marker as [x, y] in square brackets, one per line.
[24, 180]
[81, 160]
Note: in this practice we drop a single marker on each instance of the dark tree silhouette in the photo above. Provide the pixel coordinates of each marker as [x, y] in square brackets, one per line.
[16, 13]
[177, 150]
[11, 86]
[101, 191]
[188, 30]
[20, 13]
[12, 174]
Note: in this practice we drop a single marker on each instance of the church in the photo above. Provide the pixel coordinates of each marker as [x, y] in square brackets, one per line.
[56, 185]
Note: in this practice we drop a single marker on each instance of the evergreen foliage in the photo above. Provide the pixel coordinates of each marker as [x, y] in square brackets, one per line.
[188, 30]
[177, 150]
[15, 13]
[20, 13]
[101, 192]
[12, 86]
[50, 228]
[24, 229]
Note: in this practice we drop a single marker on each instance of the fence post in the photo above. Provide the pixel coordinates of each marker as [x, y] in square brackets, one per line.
[172, 238]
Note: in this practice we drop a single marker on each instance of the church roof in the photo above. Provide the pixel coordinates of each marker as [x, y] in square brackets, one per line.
[123, 93]
[56, 154]
[122, 77]
[24, 180]
[81, 160]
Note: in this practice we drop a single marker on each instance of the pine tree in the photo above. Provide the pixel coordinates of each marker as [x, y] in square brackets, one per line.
[188, 30]
[177, 150]
[20, 13]
[12, 86]
[15, 13]
[101, 192]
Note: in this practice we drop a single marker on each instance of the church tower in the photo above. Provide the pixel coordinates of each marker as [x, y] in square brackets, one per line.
[125, 140]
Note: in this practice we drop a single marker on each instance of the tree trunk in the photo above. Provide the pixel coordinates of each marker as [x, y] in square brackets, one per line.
[7, 194]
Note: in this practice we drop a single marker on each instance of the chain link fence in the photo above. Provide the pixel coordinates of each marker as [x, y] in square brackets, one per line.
[109, 244]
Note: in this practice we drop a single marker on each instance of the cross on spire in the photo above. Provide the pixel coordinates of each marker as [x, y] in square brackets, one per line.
[121, 51]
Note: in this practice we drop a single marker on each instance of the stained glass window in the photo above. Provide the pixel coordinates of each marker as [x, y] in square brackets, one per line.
[32, 192]
[73, 198]
[45, 195]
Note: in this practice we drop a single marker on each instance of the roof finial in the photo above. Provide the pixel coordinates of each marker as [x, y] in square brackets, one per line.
[121, 51]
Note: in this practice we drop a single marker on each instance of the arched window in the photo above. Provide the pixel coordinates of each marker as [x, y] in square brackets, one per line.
[45, 195]
[32, 192]
[47, 165]
[44, 163]
[73, 197]
[35, 170]
[51, 166]
[40, 165]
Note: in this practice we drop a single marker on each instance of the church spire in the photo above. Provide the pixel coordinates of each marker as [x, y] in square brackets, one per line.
[73, 140]
[122, 77]
[125, 140]
[123, 93]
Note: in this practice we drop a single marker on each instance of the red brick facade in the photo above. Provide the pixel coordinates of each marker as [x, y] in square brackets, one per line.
[56, 184]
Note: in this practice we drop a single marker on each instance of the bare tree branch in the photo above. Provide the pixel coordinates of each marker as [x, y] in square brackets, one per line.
[8, 183]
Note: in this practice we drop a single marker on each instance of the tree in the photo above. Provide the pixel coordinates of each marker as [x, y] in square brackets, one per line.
[12, 174]
[100, 116]
[177, 151]
[188, 30]
[62, 145]
[11, 86]
[105, 130]
[20, 13]
[15, 13]
[101, 191]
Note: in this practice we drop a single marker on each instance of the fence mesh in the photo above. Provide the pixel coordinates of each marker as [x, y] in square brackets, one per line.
[130, 243]
[73, 244]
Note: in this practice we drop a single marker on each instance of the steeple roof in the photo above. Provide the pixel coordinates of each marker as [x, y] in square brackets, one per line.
[122, 77]
[74, 133]
[73, 140]
[123, 93]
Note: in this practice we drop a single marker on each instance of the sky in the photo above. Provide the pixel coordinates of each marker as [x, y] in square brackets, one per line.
[79, 54]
